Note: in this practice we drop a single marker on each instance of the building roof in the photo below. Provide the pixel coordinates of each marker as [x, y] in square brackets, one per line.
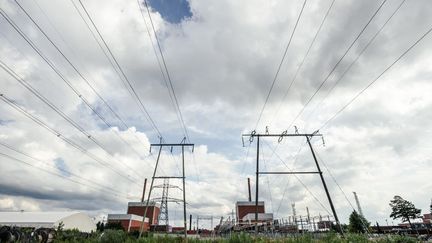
[70, 220]
[143, 204]
[249, 203]
[126, 217]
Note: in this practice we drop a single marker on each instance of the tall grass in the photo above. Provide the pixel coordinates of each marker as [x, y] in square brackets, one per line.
[118, 236]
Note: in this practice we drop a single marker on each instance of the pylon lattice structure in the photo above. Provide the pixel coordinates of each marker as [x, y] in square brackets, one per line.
[163, 215]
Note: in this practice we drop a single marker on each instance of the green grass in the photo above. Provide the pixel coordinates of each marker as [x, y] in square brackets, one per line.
[116, 236]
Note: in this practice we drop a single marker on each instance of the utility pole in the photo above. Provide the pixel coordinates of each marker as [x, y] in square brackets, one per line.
[257, 185]
[161, 145]
[280, 136]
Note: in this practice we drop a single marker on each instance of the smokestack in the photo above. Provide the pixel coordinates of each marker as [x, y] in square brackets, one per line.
[249, 190]
[190, 222]
[144, 190]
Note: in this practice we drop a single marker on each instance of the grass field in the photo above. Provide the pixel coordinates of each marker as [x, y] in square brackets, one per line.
[115, 236]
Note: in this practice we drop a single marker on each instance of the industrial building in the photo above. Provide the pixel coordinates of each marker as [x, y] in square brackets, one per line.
[131, 221]
[69, 220]
[245, 212]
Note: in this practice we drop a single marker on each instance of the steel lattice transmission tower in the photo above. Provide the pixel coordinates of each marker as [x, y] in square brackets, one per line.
[163, 215]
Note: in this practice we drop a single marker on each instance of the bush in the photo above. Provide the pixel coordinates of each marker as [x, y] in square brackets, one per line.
[113, 236]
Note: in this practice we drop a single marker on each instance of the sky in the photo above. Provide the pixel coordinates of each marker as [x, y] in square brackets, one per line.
[87, 147]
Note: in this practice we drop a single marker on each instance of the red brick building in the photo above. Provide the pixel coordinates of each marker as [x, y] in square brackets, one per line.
[131, 221]
[138, 208]
[245, 212]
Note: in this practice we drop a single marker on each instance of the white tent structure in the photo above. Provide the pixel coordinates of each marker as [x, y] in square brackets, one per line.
[70, 220]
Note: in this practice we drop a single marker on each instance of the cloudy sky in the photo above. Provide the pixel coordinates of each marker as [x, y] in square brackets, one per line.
[74, 135]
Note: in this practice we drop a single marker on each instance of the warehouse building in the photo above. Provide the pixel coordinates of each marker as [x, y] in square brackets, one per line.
[69, 220]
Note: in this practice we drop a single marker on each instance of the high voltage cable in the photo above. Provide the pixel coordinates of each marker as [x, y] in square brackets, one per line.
[340, 188]
[303, 61]
[268, 179]
[338, 62]
[180, 115]
[141, 104]
[379, 76]
[158, 61]
[61, 136]
[111, 109]
[122, 122]
[57, 110]
[274, 79]
[86, 81]
[358, 56]
[105, 188]
[286, 185]
[280, 65]
[167, 73]
[56, 174]
[69, 84]
[301, 182]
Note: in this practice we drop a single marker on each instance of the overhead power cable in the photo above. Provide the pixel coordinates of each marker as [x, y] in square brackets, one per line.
[108, 125]
[337, 63]
[279, 66]
[299, 180]
[168, 77]
[302, 62]
[161, 69]
[167, 73]
[135, 94]
[60, 175]
[376, 79]
[41, 97]
[67, 172]
[43, 124]
[122, 122]
[358, 56]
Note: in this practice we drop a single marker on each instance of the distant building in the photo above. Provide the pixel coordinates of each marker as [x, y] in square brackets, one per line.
[245, 212]
[69, 220]
[138, 208]
[131, 221]
[427, 218]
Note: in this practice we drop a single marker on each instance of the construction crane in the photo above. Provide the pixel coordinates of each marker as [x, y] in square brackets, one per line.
[358, 204]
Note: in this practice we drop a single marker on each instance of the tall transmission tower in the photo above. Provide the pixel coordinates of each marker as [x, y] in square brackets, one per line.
[358, 204]
[163, 215]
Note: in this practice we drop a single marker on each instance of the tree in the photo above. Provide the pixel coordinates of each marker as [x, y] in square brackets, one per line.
[357, 223]
[403, 209]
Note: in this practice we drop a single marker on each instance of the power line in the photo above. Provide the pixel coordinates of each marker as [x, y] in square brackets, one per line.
[280, 65]
[57, 110]
[167, 73]
[56, 174]
[303, 61]
[358, 56]
[108, 125]
[105, 188]
[338, 62]
[378, 77]
[141, 104]
[158, 62]
[168, 77]
[61, 136]
[299, 180]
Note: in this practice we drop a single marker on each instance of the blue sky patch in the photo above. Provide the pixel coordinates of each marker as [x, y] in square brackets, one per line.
[173, 11]
[62, 167]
